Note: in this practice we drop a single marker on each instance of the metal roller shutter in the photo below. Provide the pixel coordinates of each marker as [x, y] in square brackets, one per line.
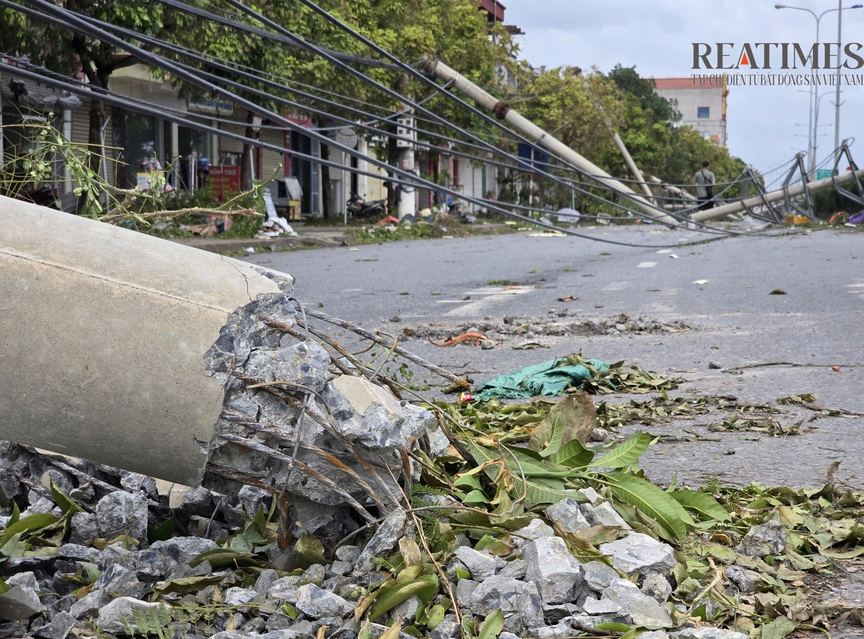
[270, 159]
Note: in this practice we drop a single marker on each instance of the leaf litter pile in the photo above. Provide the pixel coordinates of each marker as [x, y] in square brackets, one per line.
[475, 550]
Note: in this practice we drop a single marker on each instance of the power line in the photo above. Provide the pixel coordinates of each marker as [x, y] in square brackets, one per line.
[122, 101]
[269, 96]
[70, 19]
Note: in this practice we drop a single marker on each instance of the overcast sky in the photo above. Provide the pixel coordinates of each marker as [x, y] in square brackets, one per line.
[656, 37]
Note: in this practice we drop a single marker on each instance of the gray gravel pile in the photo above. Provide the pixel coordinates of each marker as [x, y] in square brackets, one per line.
[105, 573]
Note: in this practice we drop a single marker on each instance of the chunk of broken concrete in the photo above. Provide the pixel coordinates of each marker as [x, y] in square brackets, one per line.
[658, 587]
[369, 415]
[562, 630]
[763, 540]
[639, 552]
[305, 363]
[447, 629]
[117, 616]
[59, 628]
[745, 580]
[384, 540]
[25, 580]
[603, 514]
[317, 603]
[519, 601]
[598, 575]
[239, 596]
[20, 602]
[122, 513]
[568, 516]
[556, 573]
[535, 530]
[183, 549]
[90, 604]
[479, 565]
[604, 606]
[83, 528]
[639, 609]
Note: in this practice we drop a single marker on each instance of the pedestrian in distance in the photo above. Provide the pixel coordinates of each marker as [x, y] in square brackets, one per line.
[704, 181]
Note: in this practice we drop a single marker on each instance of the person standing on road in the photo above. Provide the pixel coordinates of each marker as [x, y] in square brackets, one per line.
[704, 181]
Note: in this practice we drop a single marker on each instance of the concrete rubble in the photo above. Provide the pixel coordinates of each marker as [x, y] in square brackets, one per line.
[305, 443]
[114, 585]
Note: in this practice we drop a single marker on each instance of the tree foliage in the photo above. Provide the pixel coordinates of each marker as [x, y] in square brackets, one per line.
[67, 52]
[413, 30]
[585, 110]
[629, 81]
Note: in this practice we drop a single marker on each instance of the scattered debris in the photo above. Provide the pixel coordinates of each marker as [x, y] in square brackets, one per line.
[550, 378]
[777, 291]
[471, 339]
[511, 327]
[767, 425]
[342, 510]
[528, 346]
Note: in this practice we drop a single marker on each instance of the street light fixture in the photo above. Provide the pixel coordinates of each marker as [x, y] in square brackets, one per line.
[814, 104]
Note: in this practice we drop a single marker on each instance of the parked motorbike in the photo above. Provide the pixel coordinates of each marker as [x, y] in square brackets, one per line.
[360, 209]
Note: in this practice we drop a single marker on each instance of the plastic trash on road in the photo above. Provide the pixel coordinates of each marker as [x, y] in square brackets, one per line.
[550, 378]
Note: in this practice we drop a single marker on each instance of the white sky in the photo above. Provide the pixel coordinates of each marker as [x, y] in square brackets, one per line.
[656, 37]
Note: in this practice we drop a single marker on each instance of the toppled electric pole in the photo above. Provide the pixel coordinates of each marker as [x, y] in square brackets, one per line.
[187, 366]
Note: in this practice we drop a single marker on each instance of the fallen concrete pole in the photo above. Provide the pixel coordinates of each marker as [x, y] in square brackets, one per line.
[103, 333]
[146, 355]
[631, 164]
[773, 196]
[544, 139]
[672, 189]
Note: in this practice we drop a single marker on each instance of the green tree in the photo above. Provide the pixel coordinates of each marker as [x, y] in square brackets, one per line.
[645, 89]
[413, 30]
[64, 51]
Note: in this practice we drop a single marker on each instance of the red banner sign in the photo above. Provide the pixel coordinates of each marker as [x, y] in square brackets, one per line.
[225, 181]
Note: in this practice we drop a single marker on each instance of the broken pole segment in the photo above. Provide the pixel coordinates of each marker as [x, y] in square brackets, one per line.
[103, 336]
[540, 137]
[773, 196]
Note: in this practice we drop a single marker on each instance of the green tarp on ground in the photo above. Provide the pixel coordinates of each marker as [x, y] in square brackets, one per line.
[549, 378]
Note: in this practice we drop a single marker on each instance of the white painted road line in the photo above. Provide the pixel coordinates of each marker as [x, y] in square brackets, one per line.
[500, 290]
[647, 265]
[491, 295]
[616, 286]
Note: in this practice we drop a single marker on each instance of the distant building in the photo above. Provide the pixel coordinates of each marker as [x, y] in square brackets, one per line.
[495, 14]
[702, 106]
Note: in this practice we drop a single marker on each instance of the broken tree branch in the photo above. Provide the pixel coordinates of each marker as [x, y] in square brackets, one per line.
[348, 326]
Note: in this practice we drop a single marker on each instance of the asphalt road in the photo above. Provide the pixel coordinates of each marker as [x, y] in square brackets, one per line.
[735, 321]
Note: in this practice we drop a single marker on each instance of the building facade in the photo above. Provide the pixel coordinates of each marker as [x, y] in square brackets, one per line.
[702, 106]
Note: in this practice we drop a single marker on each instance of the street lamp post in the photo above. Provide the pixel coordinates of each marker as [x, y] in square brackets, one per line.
[814, 103]
[837, 88]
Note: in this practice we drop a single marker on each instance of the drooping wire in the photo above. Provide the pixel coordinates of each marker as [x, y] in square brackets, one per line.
[167, 65]
[167, 46]
[84, 89]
